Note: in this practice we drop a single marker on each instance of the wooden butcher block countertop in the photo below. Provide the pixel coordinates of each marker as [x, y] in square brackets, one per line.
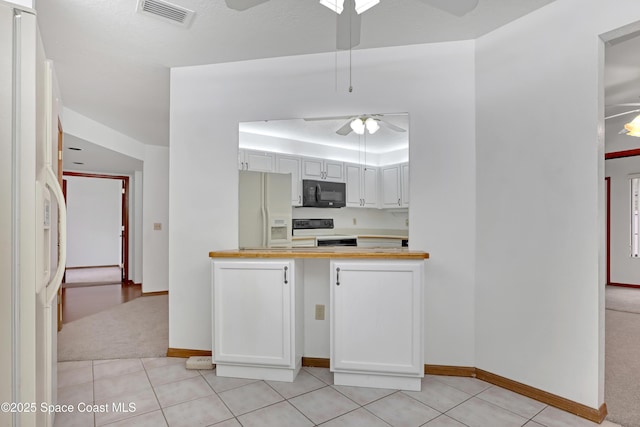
[324, 252]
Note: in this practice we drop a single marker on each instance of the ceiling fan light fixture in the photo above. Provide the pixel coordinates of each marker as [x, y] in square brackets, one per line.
[335, 5]
[633, 127]
[364, 5]
[372, 125]
[357, 125]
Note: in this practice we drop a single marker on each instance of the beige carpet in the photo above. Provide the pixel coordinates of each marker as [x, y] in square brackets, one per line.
[138, 328]
[622, 355]
[96, 275]
[623, 299]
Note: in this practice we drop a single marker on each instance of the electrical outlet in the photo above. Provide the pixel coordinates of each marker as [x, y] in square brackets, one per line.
[157, 226]
[355, 221]
[406, 222]
[319, 312]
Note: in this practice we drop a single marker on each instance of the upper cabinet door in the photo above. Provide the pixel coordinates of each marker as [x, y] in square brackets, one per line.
[391, 197]
[319, 169]
[312, 169]
[362, 186]
[352, 173]
[405, 184]
[334, 171]
[369, 189]
[260, 161]
[291, 165]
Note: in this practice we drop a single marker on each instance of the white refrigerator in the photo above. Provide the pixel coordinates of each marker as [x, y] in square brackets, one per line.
[32, 212]
[264, 210]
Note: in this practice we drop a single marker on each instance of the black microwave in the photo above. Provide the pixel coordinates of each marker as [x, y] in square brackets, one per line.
[323, 194]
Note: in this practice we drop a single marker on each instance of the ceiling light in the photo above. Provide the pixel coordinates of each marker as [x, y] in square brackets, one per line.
[335, 5]
[364, 5]
[357, 125]
[372, 125]
[633, 127]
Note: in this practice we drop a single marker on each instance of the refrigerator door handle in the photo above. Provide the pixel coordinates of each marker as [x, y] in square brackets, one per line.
[51, 181]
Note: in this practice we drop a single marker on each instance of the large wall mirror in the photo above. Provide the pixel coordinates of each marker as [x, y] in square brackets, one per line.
[359, 163]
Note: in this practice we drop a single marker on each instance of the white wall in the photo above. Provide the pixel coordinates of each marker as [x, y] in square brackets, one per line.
[94, 218]
[624, 269]
[540, 183]
[155, 255]
[433, 83]
[137, 229]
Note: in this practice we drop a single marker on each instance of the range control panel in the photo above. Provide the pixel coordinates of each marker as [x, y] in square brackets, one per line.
[308, 224]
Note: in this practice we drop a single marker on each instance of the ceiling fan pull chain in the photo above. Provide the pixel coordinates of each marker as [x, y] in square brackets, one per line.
[335, 57]
[350, 43]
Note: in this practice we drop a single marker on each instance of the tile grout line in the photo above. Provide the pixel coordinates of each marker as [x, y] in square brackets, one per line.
[233, 416]
[294, 406]
[507, 409]
[153, 389]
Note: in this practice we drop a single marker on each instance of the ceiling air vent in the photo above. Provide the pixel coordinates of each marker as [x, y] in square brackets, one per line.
[166, 11]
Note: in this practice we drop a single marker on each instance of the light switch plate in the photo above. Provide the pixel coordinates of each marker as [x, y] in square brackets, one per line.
[319, 312]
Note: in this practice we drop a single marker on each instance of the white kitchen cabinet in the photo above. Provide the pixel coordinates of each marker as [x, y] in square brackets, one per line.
[390, 177]
[320, 169]
[260, 161]
[257, 318]
[361, 186]
[291, 165]
[376, 318]
[395, 186]
[404, 193]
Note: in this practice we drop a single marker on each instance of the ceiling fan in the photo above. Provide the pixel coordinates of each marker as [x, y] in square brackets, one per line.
[349, 24]
[632, 128]
[359, 124]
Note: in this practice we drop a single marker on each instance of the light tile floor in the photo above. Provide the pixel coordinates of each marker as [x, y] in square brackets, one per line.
[162, 392]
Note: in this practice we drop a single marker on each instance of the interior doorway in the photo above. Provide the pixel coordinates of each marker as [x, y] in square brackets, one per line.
[98, 230]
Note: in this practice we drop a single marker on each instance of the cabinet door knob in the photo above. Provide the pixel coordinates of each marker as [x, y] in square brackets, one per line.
[285, 275]
[338, 276]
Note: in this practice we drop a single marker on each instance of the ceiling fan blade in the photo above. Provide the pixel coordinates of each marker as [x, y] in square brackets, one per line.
[454, 7]
[348, 27]
[628, 104]
[623, 114]
[345, 129]
[391, 126]
[243, 4]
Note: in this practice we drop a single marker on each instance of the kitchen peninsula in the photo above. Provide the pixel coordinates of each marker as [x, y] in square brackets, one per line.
[375, 313]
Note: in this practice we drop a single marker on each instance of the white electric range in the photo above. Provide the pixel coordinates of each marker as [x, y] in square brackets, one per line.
[323, 231]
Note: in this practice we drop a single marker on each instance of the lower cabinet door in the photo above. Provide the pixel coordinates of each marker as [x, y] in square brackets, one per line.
[377, 317]
[253, 312]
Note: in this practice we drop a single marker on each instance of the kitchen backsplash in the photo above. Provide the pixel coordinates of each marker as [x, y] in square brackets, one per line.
[343, 218]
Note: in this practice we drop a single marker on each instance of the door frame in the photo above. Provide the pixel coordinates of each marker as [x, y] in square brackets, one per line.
[124, 217]
[614, 155]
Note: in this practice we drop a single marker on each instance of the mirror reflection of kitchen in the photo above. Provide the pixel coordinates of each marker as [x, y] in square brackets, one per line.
[325, 181]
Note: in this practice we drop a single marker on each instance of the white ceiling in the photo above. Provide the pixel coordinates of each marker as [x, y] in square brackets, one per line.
[113, 63]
